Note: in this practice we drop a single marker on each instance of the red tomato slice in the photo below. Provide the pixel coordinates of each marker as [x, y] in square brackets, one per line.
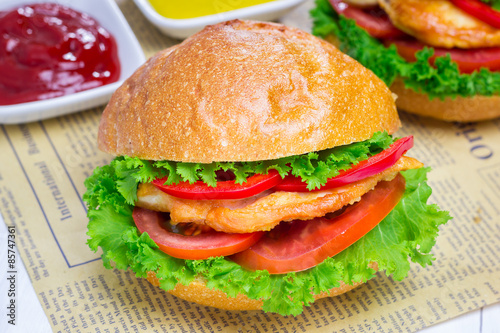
[373, 19]
[363, 169]
[224, 189]
[202, 246]
[299, 245]
[468, 60]
[480, 11]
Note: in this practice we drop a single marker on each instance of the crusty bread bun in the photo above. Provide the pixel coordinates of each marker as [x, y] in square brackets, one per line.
[245, 91]
[198, 292]
[463, 109]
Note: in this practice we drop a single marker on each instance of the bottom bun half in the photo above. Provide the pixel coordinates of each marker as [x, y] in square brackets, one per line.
[463, 109]
[198, 292]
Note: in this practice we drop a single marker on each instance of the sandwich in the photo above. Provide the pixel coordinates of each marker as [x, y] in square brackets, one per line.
[441, 57]
[256, 168]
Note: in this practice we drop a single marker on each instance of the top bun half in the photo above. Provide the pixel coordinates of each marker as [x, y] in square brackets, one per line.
[245, 91]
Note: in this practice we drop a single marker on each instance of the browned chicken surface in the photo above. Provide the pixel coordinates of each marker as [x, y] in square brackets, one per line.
[440, 23]
[362, 3]
[267, 209]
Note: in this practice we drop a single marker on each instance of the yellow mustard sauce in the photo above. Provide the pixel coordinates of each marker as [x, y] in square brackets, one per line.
[183, 9]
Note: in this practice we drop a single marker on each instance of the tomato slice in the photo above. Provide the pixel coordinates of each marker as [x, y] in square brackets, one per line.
[224, 189]
[480, 11]
[202, 246]
[468, 60]
[373, 165]
[299, 245]
[372, 19]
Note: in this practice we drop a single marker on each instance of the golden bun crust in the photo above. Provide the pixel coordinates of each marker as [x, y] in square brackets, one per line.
[198, 292]
[245, 91]
[463, 109]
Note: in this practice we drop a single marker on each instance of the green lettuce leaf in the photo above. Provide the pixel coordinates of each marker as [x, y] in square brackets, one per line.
[408, 232]
[443, 80]
[313, 168]
[494, 3]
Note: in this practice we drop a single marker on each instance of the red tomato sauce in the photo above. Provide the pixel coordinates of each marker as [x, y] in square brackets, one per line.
[48, 50]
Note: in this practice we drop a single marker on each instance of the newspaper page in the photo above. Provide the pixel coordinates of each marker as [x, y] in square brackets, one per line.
[44, 165]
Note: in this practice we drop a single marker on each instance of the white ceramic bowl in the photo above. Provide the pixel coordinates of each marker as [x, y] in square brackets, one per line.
[130, 54]
[182, 28]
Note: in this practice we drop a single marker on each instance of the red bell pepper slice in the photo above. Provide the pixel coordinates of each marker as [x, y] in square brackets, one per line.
[373, 165]
[480, 11]
[224, 190]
